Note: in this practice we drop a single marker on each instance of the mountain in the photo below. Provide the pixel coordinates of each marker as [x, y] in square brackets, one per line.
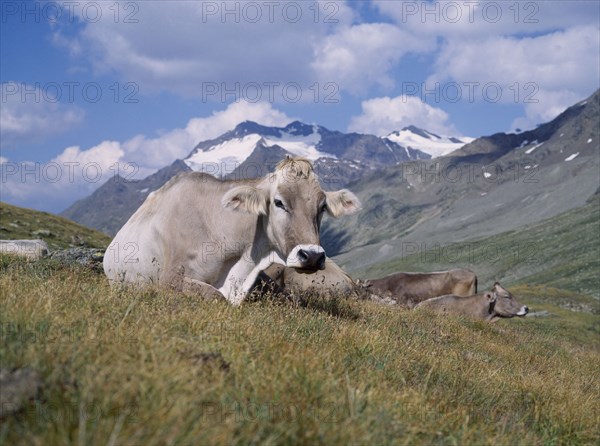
[492, 185]
[488, 186]
[250, 150]
[415, 138]
[249, 141]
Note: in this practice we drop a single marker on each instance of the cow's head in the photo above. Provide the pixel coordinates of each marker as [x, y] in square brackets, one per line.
[293, 203]
[503, 303]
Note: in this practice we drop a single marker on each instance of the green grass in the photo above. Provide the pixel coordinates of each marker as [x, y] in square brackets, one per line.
[155, 367]
[561, 252]
[58, 232]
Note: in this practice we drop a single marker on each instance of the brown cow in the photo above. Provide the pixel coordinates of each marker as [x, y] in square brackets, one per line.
[411, 288]
[489, 306]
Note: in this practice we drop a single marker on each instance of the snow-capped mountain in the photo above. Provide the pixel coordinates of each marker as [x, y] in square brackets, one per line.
[222, 156]
[426, 141]
[249, 140]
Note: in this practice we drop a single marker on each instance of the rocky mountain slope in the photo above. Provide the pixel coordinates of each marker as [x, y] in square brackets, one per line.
[492, 185]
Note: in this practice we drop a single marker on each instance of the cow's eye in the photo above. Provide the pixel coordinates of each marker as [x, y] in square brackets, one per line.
[323, 208]
[279, 204]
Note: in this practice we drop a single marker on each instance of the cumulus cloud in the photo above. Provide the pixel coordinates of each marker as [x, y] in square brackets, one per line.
[29, 114]
[381, 116]
[205, 42]
[77, 172]
[546, 73]
[487, 18]
[357, 57]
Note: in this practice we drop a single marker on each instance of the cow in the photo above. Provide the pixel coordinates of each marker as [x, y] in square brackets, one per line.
[411, 288]
[489, 306]
[29, 249]
[222, 233]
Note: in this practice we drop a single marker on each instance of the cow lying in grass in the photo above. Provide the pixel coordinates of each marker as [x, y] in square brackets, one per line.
[489, 306]
[221, 234]
[411, 288]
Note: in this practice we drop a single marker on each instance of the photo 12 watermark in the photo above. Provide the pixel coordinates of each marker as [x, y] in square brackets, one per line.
[65, 172]
[69, 92]
[470, 11]
[289, 12]
[70, 11]
[471, 92]
[270, 91]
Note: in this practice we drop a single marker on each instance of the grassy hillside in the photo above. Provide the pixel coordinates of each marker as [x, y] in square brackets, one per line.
[561, 252]
[58, 232]
[131, 367]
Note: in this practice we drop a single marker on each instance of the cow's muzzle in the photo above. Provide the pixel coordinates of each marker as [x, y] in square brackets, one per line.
[523, 311]
[307, 257]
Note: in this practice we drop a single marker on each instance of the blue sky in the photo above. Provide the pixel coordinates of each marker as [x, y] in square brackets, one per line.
[88, 87]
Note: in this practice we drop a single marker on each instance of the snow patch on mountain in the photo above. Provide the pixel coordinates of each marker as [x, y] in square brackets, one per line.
[572, 157]
[222, 159]
[435, 145]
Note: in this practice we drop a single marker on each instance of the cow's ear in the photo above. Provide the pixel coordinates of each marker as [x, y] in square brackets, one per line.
[246, 199]
[491, 297]
[342, 202]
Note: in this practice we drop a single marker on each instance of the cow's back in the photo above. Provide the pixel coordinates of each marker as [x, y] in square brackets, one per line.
[412, 288]
[451, 304]
[177, 225]
[464, 282]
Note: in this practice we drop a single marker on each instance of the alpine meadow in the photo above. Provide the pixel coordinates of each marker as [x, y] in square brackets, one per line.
[328, 222]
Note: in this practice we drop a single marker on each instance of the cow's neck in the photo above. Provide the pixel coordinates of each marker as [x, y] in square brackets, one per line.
[256, 257]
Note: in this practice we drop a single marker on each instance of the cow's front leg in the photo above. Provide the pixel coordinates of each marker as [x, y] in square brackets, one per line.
[243, 275]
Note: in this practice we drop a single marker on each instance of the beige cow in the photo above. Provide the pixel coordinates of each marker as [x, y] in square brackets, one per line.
[411, 288]
[489, 306]
[222, 233]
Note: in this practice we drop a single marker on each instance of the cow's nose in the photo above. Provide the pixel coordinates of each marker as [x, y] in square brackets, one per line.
[526, 309]
[311, 259]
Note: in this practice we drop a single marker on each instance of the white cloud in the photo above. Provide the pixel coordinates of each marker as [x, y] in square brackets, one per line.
[545, 73]
[201, 43]
[76, 173]
[31, 114]
[550, 104]
[381, 116]
[488, 18]
[360, 56]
